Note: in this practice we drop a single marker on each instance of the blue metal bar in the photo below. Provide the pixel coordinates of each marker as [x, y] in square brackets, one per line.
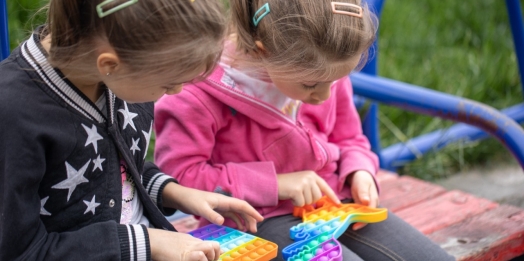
[370, 121]
[359, 101]
[376, 6]
[371, 65]
[399, 154]
[4, 31]
[430, 102]
[517, 29]
[370, 124]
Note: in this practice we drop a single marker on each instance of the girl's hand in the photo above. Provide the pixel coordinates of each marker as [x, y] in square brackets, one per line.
[174, 246]
[303, 188]
[364, 191]
[211, 206]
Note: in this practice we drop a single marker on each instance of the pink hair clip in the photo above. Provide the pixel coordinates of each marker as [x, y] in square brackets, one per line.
[356, 13]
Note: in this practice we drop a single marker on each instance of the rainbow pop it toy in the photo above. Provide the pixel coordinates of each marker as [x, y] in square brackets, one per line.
[236, 245]
[322, 224]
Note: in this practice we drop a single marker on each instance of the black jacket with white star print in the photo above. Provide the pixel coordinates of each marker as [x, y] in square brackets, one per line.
[60, 182]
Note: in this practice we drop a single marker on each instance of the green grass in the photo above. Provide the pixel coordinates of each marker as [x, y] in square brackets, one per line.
[459, 47]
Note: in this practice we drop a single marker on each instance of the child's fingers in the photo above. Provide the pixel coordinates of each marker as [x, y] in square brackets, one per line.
[298, 200]
[374, 197]
[308, 196]
[317, 194]
[242, 207]
[213, 216]
[250, 223]
[363, 189]
[206, 250]
[326, 189]
[362, 196]
[239, 209]
[196, 256]
[358, 226]
[236, 219]
[213, 250]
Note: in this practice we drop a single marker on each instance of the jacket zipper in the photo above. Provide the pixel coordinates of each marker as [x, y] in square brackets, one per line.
[315, 144]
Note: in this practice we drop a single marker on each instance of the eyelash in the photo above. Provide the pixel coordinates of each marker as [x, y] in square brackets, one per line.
[309, 87]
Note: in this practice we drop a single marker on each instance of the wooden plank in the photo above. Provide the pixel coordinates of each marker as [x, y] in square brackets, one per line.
[383, 175]
[405, 191]
[444, 210]
[497, 234]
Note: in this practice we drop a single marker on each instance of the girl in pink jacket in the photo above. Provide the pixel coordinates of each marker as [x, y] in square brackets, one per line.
[275, 123]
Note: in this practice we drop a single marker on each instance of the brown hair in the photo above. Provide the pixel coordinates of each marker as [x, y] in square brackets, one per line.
[160, 36]
[303, 36]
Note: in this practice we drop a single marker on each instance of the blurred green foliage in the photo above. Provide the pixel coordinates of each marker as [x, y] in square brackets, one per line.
[24, 16]
[459, 47]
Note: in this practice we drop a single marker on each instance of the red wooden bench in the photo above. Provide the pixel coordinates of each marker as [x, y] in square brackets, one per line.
[468, 227]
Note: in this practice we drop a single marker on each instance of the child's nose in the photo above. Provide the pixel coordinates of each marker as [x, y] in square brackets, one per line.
[176, 89]
[321, 95]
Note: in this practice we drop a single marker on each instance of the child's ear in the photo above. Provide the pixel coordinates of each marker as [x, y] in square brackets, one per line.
[261, 50]
[260, 46]
[108, 63]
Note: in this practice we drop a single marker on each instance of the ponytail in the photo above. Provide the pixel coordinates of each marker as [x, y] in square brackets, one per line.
[67, 20]
[241, 14]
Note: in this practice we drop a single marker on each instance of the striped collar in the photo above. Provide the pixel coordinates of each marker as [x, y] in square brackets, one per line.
[36, 56]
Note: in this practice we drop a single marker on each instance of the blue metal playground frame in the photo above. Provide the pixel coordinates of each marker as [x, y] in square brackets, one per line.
[4, 31]
[475, 120]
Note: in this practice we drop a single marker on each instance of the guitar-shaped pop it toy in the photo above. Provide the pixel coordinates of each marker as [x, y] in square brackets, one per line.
[323, 222]
[237, 245]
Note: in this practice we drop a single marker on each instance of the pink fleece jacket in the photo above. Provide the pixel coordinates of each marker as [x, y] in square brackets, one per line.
[214, 138]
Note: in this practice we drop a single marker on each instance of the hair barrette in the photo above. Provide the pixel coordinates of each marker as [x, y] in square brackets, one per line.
[356, 10]
[261, 12]
[102, 13]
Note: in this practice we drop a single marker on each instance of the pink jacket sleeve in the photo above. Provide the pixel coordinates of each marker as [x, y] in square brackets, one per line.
[186, 125]
[355, 150]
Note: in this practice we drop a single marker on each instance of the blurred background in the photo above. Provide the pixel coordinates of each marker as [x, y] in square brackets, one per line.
[459, 47]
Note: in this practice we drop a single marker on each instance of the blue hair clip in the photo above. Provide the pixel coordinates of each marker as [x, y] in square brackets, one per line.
[102, 13]
[263, 11]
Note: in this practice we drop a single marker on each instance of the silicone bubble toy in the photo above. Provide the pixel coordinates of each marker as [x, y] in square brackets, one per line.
[316, 237]
[236, 245]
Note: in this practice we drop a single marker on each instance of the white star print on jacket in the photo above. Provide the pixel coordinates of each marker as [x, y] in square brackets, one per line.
[74, 178]
[98, 163]
[91, 205]
[135, 146]
[92, 137]
[128, 117]
[43, 211]
[147, 136]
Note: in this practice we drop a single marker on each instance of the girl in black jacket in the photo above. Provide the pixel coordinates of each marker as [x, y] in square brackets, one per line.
[75, 129]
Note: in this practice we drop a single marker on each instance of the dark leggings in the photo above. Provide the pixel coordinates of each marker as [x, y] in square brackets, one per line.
[392, 239]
